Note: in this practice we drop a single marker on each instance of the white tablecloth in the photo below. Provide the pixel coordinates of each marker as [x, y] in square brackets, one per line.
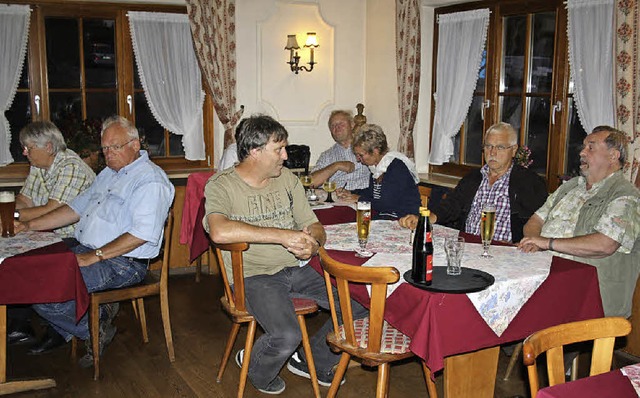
[26, 241]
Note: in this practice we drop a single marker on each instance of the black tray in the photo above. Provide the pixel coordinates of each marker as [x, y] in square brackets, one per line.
[469, 281]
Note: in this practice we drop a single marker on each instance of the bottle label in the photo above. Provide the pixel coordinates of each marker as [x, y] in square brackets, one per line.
[427, 236]
[429, 268]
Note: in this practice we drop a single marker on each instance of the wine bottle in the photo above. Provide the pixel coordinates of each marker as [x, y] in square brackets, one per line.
[418, 269]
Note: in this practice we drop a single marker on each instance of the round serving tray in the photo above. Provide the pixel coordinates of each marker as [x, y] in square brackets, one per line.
[469, 281]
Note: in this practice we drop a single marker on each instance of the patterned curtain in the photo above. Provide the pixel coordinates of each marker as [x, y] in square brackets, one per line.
[627, 79]
[213, 27]
[408, 69]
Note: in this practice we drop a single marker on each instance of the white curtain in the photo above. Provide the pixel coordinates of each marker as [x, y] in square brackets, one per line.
[590, 32]
[170, 75]
[461, 38]
[14, 32]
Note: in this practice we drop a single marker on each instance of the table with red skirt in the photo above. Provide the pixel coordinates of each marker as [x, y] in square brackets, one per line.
[447, 331]
[46, 275]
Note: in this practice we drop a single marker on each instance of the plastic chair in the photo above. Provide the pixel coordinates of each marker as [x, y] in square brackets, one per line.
[233, 303]
[602, 331]
[371, 339]
[152, 285]
[298, 157]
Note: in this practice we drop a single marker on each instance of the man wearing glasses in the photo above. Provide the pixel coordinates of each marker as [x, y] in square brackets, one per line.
[516, 191]
[120, 221]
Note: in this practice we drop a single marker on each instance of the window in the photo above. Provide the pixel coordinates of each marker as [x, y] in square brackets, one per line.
[524, 81]
[80, 65]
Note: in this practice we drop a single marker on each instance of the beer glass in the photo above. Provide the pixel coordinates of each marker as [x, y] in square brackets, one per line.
[363, 221]
[329, 186]
[487, 227]
[7, 208]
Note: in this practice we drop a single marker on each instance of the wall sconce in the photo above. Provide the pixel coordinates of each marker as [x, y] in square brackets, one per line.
[294, 58]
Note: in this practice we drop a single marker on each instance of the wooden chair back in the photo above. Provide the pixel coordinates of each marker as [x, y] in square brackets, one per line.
[234, 297]
[601, 331]
[344, 274]
[298, 157]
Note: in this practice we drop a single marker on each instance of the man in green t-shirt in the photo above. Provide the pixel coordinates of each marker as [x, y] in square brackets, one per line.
[260, 202]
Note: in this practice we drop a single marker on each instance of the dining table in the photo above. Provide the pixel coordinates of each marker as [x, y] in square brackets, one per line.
[35, 270]
[446, 329]
[619, 383]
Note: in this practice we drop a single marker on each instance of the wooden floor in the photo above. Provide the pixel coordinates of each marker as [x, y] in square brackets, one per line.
[130, 368]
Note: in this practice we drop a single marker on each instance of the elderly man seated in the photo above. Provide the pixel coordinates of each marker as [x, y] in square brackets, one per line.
[595, 219]
[516, 191]
[120, 225]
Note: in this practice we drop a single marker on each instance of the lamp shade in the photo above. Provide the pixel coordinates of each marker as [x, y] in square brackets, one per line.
[292, 43]
[312, 40]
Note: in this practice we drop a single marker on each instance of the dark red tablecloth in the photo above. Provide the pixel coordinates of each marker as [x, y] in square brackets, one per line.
[192, 232]
[46, 275]
[610, 384]
[441, 324]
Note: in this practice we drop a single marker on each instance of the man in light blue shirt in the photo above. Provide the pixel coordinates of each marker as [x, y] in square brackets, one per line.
[120, 220]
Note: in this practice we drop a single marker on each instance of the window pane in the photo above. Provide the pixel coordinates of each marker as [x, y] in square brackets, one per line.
[513, 43]
[99, 53]
[480, 86]
[148, 127]
[24, 75]
[537, 137]
[544, 26]
[101, 105]
[19, 115]
[65, 106]
[175, 145]
[63, 53]
[474, 126]
[511, 111]
[575, 136]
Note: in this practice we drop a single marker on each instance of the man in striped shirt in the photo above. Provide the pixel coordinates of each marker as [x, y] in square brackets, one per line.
[339, 163]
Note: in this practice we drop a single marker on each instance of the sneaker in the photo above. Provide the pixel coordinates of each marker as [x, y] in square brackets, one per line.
[275, 387]
[107, 333]
[298, 366]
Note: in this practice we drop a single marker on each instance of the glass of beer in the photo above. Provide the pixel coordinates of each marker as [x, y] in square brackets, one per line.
[329, 186]
[7, 208]
[363, 222]
[487, 227]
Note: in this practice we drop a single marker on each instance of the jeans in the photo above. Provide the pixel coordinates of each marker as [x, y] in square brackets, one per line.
[268, 299]
[107, 274]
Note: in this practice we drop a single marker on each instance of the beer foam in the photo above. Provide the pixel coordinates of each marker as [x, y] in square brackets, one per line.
[7, 197]
[363, 206]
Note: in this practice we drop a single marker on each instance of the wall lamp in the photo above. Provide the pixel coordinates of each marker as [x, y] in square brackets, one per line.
[294, 58]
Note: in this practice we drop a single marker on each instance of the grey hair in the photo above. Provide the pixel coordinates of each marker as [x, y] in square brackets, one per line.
[42, 133]
[255, 132]
[615, 140]
[504, 127]
[341, 112]
[130, 128]
[370, 137]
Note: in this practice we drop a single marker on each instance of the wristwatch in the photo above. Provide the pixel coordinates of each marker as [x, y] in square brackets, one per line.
[99, 254]
[16, 215]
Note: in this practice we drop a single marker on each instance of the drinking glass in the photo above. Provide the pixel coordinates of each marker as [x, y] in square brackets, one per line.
[329, 186]
[363, 221]
[7, 208]
[487, 227]
[307, 184]
[454, 247]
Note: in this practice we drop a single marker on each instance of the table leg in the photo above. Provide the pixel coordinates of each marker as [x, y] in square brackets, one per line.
[12, 387]
[472, 374]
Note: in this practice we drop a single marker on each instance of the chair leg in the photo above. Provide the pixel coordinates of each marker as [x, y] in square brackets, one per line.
[135, 308]
[74, 349]
[513, 361]
[309, 355]
[198, 268]
[431, 386]
[166, 323]
[94, 319]
[227, 350]
[248, 346]
[337, 378]
[383, 380]
[143, 319]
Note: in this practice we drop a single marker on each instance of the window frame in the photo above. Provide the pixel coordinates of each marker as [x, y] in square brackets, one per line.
[125, 69]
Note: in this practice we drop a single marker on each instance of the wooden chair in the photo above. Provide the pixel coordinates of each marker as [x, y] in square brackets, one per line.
[233, 303]
[152, 285]
[364, 338]
[602, 331]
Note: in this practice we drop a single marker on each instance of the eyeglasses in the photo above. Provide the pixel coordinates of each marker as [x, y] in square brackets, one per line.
[116, 147]
[499, 148]
[27, 149]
